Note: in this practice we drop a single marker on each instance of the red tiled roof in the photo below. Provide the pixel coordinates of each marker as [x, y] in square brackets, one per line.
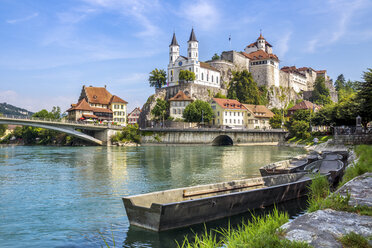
[135, 110]
[254, 44]
[180, 96]
[304, 105]
[116, 99]
[81, 105]
[288, 68]
[259, 111]
[228, 103]
[208, 66]
[321, 71]
[98, 95]
[90, 116]
[258, 55]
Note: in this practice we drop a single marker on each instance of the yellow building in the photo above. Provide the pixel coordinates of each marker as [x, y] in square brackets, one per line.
[257, 116]
[228, 113]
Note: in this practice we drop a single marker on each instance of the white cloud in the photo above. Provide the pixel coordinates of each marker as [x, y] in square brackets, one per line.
[282, 45]
[201, 13]
[140, 10]
[23, 19]
[341, 15]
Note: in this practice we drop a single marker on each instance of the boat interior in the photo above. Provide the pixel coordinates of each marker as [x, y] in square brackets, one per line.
[209, 190]
[325, 166]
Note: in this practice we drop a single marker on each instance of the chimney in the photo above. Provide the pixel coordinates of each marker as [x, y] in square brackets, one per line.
[105, 86]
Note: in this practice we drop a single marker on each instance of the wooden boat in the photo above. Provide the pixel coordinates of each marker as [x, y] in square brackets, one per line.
[164, 210]
[286, 166]
[333, 168]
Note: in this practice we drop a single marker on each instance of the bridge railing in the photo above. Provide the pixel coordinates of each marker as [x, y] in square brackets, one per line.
[58, 121]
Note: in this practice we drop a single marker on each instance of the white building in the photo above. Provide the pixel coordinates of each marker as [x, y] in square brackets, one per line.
[178, 104]
[205, 74]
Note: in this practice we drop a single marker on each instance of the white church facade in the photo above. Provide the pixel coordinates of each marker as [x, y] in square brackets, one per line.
[205, 74]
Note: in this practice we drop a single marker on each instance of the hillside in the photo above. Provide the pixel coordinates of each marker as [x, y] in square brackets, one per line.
[7, 109]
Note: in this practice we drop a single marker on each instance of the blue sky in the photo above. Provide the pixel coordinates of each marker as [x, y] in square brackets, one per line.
[50, 48]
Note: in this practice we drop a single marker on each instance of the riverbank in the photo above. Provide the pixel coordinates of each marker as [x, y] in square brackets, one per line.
[322, 228]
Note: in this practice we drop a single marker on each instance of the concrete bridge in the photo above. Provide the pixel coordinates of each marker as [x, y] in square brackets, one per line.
[211, 136]
[100, 134]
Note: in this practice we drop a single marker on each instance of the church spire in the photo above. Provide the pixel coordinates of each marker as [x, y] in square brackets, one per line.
[174, 41]
[192, 36]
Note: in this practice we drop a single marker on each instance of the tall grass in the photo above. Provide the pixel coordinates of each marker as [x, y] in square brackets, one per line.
[364, 164]
[261, 231]
[319, 190]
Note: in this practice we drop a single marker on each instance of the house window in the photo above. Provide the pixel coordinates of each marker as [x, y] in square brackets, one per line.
[174, 111]
[202, 76]
[189, 54]
[207, 77]
[238, 121]
[212, 78]
[216, 79]
[230, 120]
[225, 120]
[218, 121]
[218, 113]
[234, 121]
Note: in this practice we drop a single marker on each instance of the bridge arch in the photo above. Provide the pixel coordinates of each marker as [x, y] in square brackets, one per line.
[223, 140]
[68, 130]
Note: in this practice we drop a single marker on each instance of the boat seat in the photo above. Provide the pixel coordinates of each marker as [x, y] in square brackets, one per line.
[187, 193]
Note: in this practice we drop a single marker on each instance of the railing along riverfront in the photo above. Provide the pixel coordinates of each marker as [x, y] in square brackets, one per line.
[208, 129]
[59, 121]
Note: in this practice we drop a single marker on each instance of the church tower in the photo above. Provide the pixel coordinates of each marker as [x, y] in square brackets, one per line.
[261, 42]
[193, 49]
[174, 50]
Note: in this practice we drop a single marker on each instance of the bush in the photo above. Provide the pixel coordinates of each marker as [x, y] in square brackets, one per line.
[300, 129]
[130, 133]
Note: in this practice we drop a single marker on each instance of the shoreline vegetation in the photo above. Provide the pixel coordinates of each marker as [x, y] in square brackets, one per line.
[266, 231]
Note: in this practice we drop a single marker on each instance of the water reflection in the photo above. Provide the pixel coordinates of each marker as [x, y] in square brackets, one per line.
[62, 196]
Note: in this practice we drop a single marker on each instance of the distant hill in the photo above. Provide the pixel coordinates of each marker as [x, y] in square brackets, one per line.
[7, 109]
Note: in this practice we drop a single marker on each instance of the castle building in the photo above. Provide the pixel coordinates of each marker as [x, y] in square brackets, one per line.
[205, 74]
[96, 103]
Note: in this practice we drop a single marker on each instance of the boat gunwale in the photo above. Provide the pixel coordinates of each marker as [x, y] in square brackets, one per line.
[227, 194]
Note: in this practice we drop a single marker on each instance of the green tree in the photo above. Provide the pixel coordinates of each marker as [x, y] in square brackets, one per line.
[244, 89]
[321, 92]
[3, 128]
[300, 129]
[198, 111]
[340, 82]
[296, 126]
[365, 97]
[220, 95]
[323, 117]
[186, 75]
[276, 121]
[157, 78]
[215, 57]
[160, 110]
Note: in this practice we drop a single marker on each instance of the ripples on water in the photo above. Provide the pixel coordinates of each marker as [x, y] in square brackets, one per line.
[63, 196]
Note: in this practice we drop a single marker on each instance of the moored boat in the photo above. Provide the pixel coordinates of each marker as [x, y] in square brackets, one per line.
[286, 166]
[164, 210]
[333, 168]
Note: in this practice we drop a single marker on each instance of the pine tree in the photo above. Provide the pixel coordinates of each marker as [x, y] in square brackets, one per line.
[321, 92]
[365, 97]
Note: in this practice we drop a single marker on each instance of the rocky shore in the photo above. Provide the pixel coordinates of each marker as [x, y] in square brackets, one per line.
[323, 228]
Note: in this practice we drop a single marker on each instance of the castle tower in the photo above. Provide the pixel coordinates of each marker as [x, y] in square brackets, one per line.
[193, 49]
[174, 50]
[261, 42]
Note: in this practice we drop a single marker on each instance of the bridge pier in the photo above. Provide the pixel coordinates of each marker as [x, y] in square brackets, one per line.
[105, 136]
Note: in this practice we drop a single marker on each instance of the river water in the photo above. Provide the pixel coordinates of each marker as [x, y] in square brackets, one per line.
[71, 196]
